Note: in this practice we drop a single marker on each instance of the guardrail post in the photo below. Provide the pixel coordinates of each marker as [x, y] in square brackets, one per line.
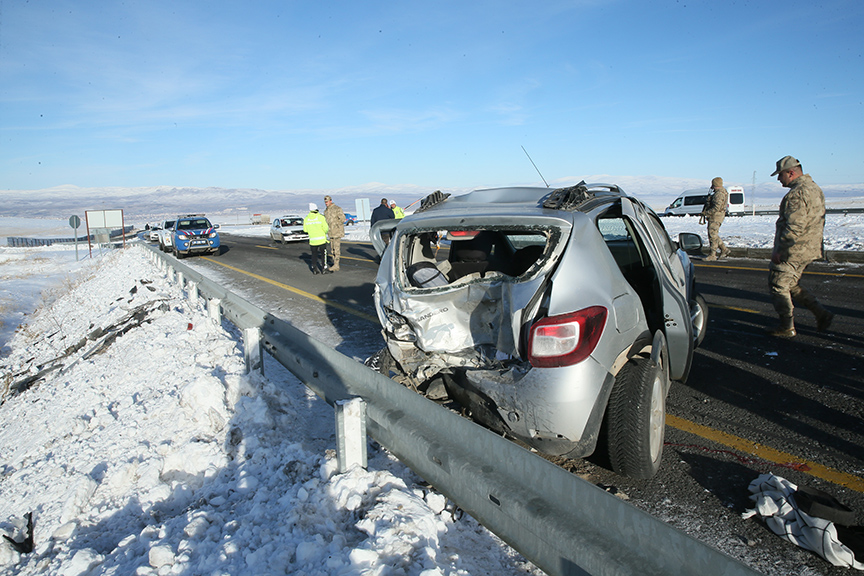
[214, 309]
[351, 433]
[252, 350]
[181, 280]
[192, 292]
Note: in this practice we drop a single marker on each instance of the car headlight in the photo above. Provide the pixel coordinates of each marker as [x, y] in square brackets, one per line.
[182, 237]
[214, 234]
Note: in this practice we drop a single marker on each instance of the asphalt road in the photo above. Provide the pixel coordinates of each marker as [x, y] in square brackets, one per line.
[752, 404]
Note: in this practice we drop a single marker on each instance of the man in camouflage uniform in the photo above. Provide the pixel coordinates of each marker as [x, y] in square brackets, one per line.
[714, 212]
[336, 223]
[797, 242]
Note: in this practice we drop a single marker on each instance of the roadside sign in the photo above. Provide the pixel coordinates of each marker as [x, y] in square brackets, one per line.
[75, 222]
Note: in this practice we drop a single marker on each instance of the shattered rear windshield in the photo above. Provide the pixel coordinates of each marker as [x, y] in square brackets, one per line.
[439, 258]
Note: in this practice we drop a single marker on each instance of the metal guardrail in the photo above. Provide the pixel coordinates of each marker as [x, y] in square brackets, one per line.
[26, 242]
[561, 523]
[775, 211]
[850, 256]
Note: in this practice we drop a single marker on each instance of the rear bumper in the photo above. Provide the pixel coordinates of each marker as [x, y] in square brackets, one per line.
[557, 411]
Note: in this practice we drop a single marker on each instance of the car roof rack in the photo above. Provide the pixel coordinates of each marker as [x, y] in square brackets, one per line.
[431, 200]
[568, 198]
[573, 197]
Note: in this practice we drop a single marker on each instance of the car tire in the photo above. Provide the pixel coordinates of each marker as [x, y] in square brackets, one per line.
[636, 418]
[699, 318]
[177, 254]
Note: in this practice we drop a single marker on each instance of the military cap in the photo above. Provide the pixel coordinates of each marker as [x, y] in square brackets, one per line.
[785, 163]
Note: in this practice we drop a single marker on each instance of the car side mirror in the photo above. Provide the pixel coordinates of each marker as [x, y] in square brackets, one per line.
[215, 225]
[690, 243]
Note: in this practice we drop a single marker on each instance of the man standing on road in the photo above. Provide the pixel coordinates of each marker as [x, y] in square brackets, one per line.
[797, 243]
[382, 212]
[714, 212]
[336, 224]
[315, 225]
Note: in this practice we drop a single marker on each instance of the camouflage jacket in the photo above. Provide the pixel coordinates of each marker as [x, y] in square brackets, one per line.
[715, 206]
[798, 235]
[335, 220]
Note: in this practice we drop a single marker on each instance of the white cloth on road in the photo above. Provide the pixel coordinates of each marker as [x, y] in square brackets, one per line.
[775, 503]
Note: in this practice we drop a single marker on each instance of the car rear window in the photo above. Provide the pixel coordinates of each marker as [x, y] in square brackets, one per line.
[459, 253]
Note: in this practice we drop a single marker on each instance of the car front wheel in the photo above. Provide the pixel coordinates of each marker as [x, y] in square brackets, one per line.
[636, 418]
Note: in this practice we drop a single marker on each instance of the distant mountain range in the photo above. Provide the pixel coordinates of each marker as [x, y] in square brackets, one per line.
[154, 203]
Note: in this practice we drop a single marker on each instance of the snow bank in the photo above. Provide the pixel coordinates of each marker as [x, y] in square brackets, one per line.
[143, 448]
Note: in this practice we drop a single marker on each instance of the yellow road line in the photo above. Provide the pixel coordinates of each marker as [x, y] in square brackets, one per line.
[343, 257]
[809, 273]
[266, 247]
[299, 292]
[736, 308]
[766, 453]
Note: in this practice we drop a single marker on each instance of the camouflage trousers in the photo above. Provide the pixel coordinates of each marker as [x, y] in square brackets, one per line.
[783, 286]
[336, 250]
[715, 244]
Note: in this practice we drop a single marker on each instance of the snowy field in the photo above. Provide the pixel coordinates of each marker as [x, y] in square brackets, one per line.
[145, 449]
[841, 232]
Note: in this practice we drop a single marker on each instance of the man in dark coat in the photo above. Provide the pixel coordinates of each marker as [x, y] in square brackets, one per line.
[382, 212]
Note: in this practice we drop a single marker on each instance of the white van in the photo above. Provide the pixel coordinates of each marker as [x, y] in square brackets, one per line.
[692, 202]
[736, 201]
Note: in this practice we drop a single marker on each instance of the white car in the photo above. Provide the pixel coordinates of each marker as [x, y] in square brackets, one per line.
[288, 229]
[166, 235]
[153, 233]
[556, 317]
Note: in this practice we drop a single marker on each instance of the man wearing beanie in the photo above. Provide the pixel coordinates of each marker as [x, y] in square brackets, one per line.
[315, 225]
[797, 242]
[714, 212]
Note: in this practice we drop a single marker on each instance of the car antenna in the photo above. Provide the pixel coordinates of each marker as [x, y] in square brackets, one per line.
[535, 166]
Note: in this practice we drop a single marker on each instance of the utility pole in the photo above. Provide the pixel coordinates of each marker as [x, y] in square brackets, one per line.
[753, 193]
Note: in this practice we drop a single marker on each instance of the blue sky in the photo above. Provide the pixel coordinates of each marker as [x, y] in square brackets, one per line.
[309, 95]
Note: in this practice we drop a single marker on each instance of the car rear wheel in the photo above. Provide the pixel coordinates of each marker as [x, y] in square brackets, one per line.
[636, 418]
[699, 318]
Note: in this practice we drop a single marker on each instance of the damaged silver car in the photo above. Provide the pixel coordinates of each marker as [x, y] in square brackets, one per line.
[559, 318]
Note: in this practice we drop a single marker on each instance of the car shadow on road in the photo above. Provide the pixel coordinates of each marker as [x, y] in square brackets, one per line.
[355, 321]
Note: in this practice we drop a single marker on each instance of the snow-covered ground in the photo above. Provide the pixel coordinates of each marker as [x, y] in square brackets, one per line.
[145, 449]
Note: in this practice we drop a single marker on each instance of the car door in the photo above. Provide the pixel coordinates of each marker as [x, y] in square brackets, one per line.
[673, 285]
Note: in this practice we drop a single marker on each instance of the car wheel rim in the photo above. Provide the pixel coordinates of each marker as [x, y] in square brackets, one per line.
[697, 318]
[658, 418]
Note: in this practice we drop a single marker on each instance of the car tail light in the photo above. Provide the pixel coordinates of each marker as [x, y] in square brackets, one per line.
[566, 339]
